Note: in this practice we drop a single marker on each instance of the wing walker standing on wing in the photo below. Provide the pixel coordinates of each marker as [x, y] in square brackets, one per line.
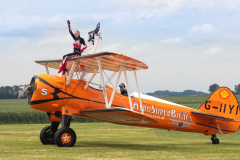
[71, 95]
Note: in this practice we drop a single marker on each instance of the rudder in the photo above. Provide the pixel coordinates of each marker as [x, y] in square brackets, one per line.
[222, 103]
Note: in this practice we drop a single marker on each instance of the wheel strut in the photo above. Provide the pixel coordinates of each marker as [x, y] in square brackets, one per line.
[214, 139]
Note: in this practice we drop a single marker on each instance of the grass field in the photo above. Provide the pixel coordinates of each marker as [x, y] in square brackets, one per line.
[110, 141]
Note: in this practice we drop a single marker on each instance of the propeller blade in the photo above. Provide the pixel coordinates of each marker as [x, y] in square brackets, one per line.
[26, 89]
[19, 93]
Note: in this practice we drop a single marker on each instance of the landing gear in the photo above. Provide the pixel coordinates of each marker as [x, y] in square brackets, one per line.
[48, 132]
[214, 139]
[65, 137]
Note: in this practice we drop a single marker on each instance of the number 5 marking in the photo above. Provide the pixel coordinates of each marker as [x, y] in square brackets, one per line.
[44, 91]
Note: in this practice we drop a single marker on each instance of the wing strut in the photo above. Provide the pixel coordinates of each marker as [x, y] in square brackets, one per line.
[71, 73]
[126, 80]
[82, 74]
[116, 84]
[102, 81]
[90, 80]
[46, 68]
[219, 129]
[140, 100]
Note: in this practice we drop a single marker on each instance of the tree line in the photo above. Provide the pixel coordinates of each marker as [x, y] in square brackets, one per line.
[11, 92]
[172, 93]
[215, 86]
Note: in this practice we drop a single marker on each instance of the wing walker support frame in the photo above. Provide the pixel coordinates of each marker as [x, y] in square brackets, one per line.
[122, 68]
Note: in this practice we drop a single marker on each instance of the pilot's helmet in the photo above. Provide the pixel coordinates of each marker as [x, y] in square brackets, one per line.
[123, 86]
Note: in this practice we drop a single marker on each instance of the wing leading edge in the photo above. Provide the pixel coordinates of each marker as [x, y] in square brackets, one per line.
[109, 61]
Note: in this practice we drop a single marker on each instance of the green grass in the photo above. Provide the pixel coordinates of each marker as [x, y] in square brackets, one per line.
[110, 141]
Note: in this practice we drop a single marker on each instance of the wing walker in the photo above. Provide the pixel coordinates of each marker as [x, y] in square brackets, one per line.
[71, 95]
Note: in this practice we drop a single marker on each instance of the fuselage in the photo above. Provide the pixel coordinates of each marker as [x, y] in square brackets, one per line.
[51, 95]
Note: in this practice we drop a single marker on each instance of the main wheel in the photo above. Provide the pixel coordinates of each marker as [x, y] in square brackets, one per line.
[215, 140]
[65, 137]
[47, 136]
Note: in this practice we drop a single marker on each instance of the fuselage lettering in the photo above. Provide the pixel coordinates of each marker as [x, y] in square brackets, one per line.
[207, 106]
[44, 91]
[231, 107]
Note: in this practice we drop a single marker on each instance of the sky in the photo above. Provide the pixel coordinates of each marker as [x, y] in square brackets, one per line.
[187, 44]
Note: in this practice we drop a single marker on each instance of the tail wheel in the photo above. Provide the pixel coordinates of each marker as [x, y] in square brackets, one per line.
[215, 140]
[65, 137]
[47, 136]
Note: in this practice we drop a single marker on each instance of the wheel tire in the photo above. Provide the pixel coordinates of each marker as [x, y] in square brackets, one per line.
[45, 137]
[65, 137]
[215, 141]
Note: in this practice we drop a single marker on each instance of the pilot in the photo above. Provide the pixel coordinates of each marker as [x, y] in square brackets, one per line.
[77, 51]
[123, 89]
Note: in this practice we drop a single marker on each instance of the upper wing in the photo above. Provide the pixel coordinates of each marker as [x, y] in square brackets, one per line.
[118, 115]
[109, 61]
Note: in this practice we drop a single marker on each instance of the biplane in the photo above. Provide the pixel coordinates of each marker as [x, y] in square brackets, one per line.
[71, 95]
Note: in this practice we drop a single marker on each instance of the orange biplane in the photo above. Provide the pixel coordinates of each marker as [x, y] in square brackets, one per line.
[64, 97]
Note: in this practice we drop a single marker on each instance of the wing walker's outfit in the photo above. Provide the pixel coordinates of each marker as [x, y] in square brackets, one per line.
[77, 51]
[78, 41]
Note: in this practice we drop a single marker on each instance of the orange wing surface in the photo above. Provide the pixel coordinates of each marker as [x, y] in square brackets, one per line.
[119, 115]
[109, 60]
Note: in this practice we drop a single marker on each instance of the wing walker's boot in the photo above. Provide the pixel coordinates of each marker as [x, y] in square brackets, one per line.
[63, 67]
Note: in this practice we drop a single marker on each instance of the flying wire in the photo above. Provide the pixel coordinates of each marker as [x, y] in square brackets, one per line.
[80, 80]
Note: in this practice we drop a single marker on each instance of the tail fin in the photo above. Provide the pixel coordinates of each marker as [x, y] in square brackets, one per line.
[222, 103]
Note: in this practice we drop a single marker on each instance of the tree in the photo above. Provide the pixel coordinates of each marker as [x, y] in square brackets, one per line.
[213, 87]
[237, 89]
[10, 92]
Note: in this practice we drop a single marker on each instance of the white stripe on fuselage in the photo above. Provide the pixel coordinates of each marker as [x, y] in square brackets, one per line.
[143, 96]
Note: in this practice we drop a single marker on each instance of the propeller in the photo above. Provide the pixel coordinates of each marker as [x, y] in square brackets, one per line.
[25, 90]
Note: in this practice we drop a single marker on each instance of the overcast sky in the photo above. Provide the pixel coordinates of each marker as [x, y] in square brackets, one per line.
[187, 44]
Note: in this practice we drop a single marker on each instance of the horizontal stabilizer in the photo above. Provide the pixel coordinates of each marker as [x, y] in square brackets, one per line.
[118, 115]
[215, 116]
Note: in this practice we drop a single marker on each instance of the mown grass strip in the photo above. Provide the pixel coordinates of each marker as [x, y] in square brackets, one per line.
[110, 141]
